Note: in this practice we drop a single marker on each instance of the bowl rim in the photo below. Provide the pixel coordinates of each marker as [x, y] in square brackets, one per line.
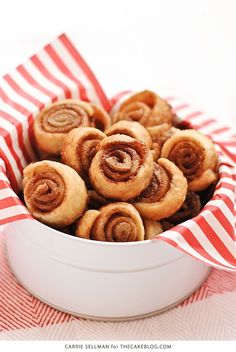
[61, 234]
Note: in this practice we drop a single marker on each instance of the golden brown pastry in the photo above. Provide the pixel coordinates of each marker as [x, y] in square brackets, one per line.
[85, 224]
[132, 129]
[195, 155]
[116, 222]
[122, 167]
[190, 208]
[79, 147]
[165, 194]
[152, 228]
[145, 107]
[99, 118]
[53, 122]
[161, 133]
[54, 193]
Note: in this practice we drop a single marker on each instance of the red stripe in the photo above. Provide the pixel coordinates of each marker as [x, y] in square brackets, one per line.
[7, 137]
[15, 218]
[13, 317]
[19, 130]
[226, 174]
[60, 64]
[22, 70]
[83, 65]
[205, 123]
[23, 111]
[228, 143]
[46, 316]
[20, 308]
[13, 321]
[180, 107]
[22, 92]
[227, 152]
[10, 172]
[9, 202]
[193, 242]
[4, 185]
[215, 240]
[224, 184]
[193, 115]
[229, 228]
[220, 130]
[226, 199]
[15, 105]
[39, 65]
[169, 98]
[11, 286]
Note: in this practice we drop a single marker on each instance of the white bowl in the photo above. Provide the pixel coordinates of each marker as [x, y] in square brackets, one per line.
[100, 280]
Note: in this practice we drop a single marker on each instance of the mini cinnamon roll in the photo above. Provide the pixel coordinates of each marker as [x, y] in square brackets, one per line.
[152, 228]
[79, 147]
[99, 118]
[122, 167]
[54, 193]
[196, 157]
[190, 208]
[145, 107]
[165, 193]
[116, 222]
[53, 122]
[132, 129]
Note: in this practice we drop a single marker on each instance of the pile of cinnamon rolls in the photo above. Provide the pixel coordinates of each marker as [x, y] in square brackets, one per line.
[119, 178]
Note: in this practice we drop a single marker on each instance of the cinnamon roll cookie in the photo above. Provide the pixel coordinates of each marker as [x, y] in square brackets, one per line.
[165, 193]
[195, 156]
[53, 122]
[54, 193]
[79, 148]
[116, 222]
[122, 167]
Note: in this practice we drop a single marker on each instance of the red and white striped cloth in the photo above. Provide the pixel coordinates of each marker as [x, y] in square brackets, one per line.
[58, 71]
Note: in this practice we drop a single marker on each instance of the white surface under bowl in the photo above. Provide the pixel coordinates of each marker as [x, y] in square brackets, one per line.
[100, 280]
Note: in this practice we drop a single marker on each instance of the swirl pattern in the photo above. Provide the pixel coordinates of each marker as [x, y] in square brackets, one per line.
[122, 167]
[165, 194]
[46, 190]
[54, 193]
[116, 222]
[195, 156]
[79, 148]
[52, 123]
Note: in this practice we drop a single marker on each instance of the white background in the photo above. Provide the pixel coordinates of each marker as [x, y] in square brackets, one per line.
[185, 48]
